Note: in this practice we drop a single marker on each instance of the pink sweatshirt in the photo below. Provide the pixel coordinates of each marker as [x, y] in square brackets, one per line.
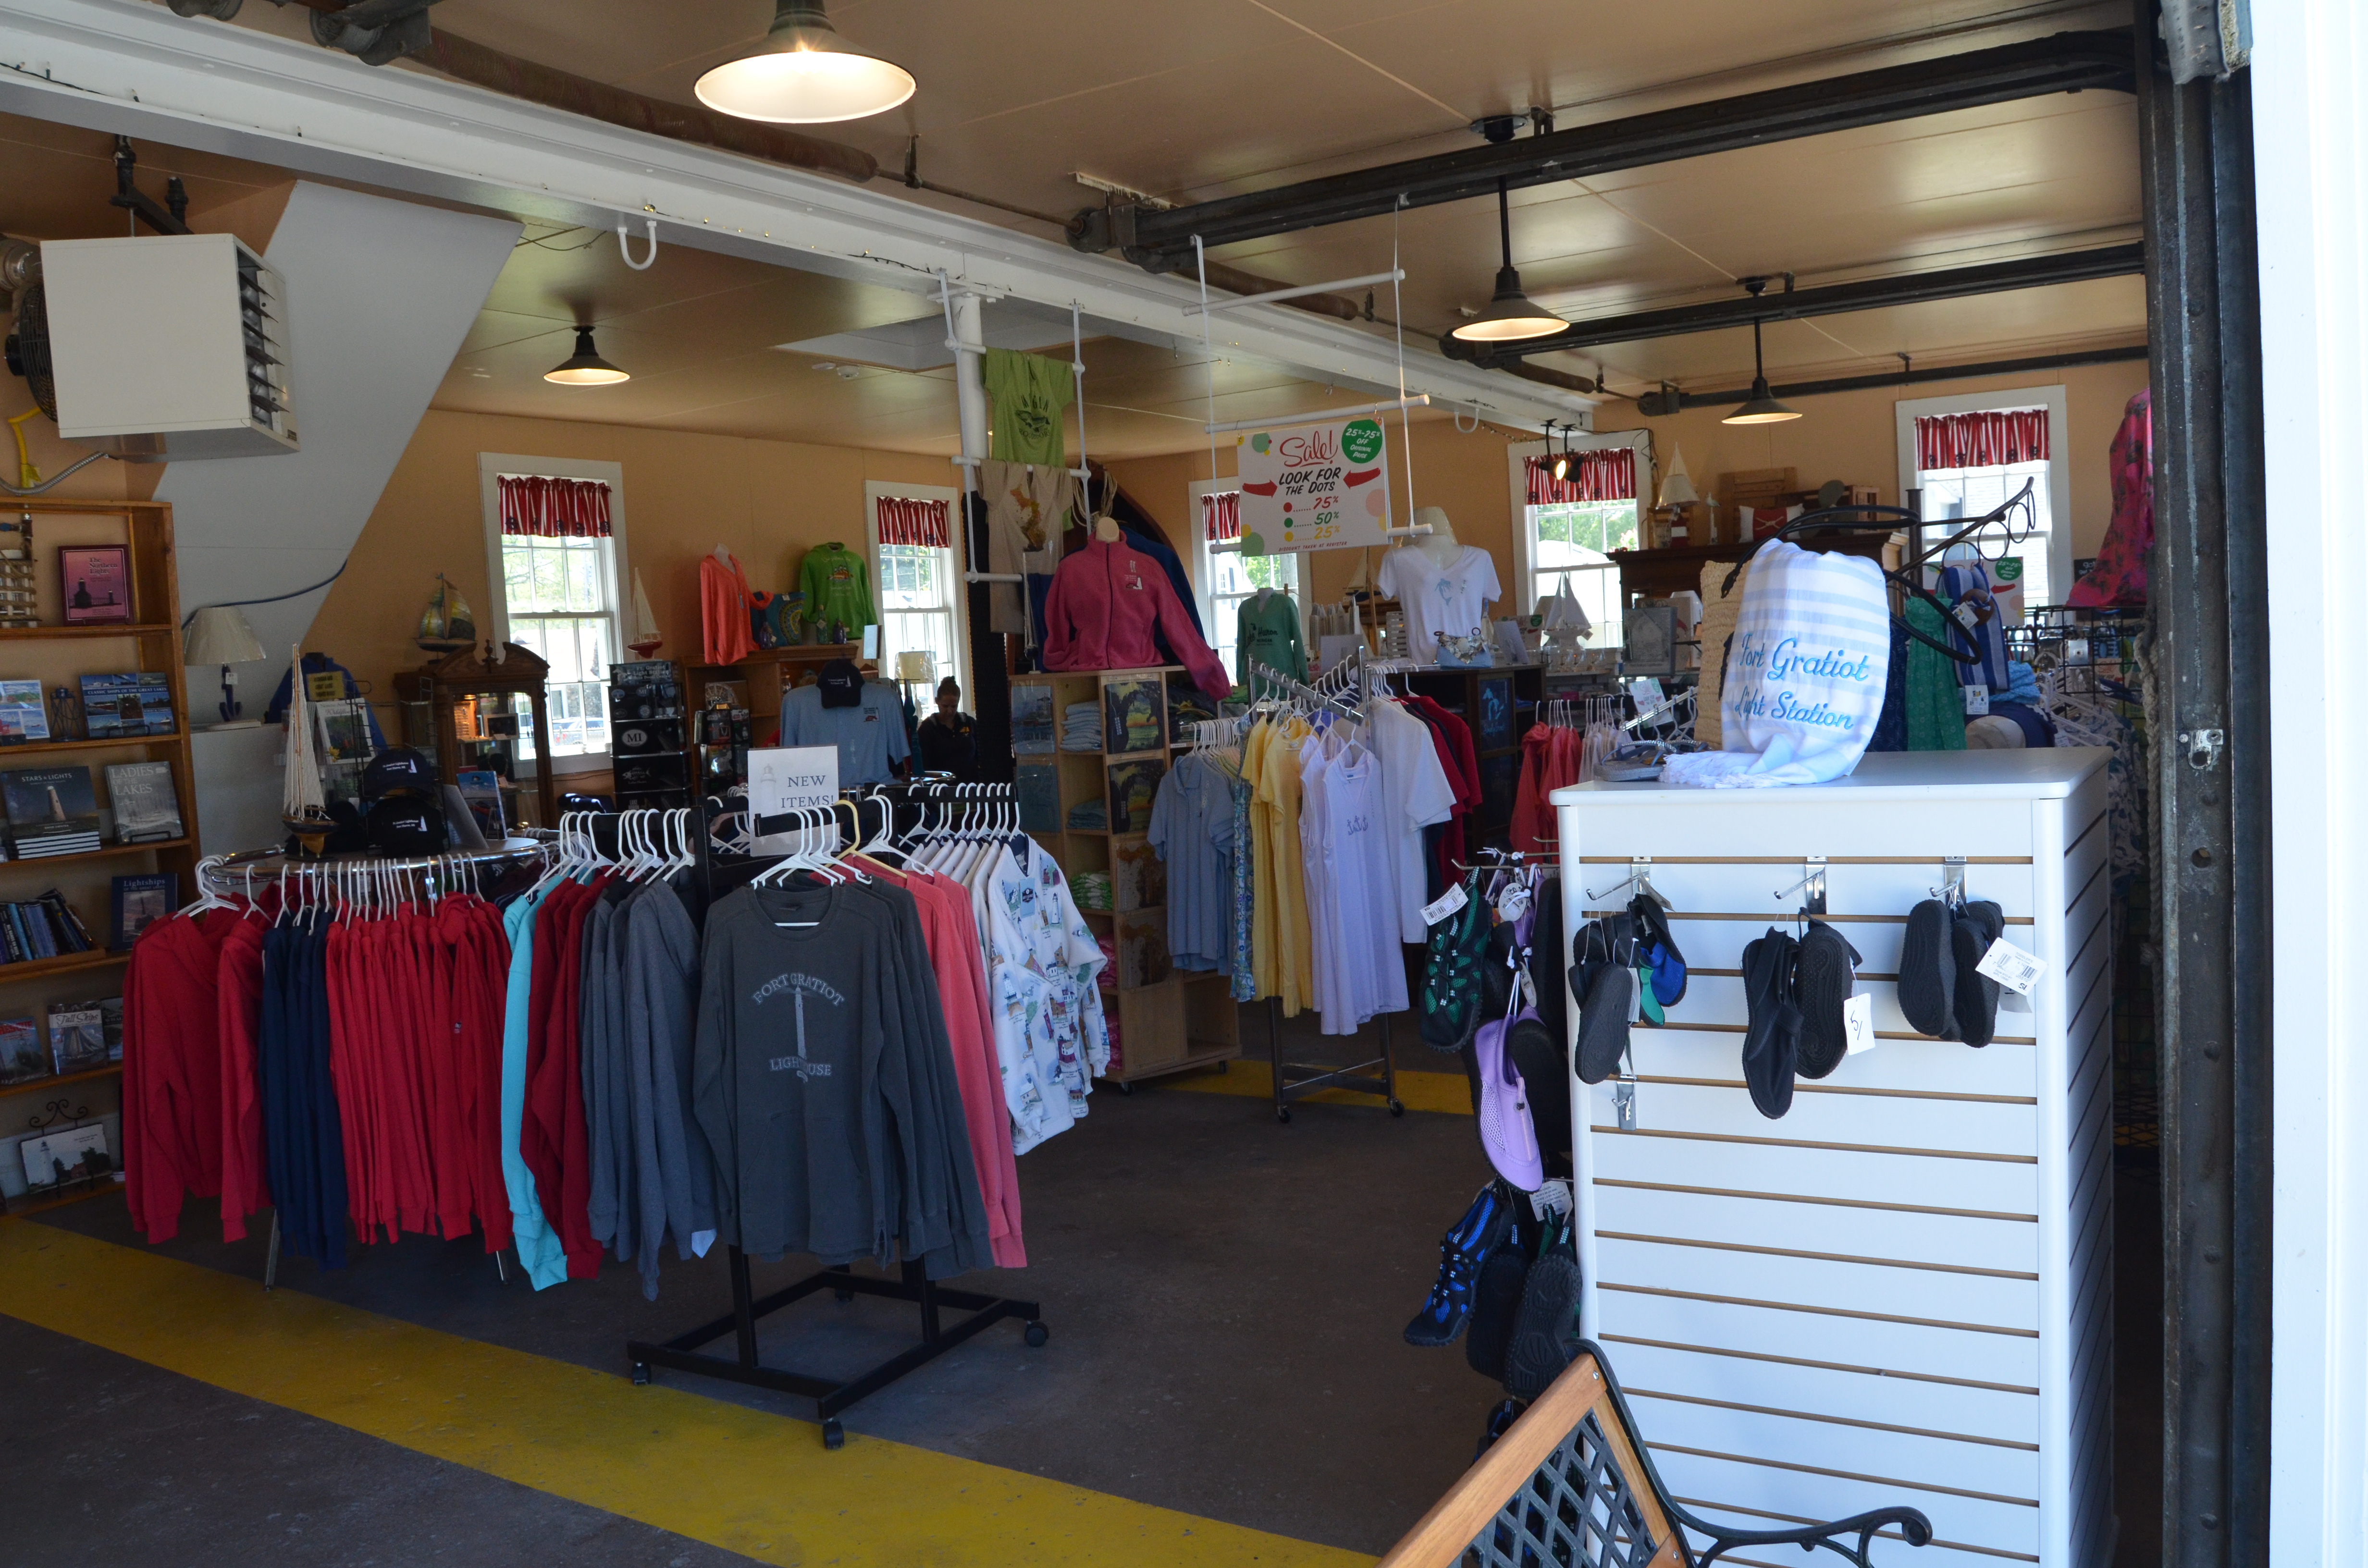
[1105, 600]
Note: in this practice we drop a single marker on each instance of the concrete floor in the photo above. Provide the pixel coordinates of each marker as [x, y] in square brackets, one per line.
[1225, 1297]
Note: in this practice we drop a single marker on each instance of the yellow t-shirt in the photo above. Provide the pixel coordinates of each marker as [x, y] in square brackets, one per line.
[1263, 973]
[1278, 797]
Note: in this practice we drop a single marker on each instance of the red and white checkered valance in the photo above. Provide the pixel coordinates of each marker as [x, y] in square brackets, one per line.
[1221, 515]
[1603, 473]
[1987, 440]
[906, 521]
[546, 508]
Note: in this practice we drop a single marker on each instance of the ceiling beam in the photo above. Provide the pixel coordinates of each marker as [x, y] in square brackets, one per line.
[2065, 63]
[1832, 299]
[1669, 400]
[137, 70]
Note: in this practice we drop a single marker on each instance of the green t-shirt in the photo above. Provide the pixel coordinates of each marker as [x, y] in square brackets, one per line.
[1029, 393]
[837, 588]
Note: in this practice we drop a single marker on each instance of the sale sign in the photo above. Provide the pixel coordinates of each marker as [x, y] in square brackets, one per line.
[1314, 486]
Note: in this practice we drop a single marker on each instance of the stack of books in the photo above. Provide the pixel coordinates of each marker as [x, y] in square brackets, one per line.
[138, 703]
[51, 811]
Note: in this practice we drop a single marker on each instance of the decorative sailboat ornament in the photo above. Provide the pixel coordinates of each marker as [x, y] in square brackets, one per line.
[301, 804]
[446, 627]
[641, 626]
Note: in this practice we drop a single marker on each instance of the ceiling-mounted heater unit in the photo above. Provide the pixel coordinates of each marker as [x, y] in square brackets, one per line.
[159, 347]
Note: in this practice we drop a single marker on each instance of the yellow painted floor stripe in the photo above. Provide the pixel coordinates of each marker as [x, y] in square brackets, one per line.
[743, 1479]
[1448, 1092]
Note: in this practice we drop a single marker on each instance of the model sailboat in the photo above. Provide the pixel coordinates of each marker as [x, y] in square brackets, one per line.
[446, 627]
[641, 626]
[301, 804]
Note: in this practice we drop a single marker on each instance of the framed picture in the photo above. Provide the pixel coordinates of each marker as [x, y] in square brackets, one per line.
[140, 903]
[95, 582]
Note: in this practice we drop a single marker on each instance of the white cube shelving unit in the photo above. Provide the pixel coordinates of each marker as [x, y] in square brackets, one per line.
[1902, 1291]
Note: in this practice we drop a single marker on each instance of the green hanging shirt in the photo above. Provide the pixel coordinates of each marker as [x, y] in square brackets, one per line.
[1269, 632]
[1936, 702]
[837, 588]
[1029, 391]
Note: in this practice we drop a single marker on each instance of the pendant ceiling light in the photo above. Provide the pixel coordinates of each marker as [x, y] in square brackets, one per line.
[1762, 408]
[585, 367]
[1562, 462]
[805, 74]
[1510, 318]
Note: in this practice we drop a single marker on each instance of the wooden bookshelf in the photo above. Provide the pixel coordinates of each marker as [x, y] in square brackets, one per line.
[58, 654]
[1167, 1019]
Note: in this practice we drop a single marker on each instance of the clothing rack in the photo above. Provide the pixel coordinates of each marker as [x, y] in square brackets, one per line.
[1332, 690]
[684, 1352]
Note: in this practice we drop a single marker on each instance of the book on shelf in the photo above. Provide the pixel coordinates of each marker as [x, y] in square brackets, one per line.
[121, 707]
[147, 807]
[139, 902]
[22, 1059]
[24, 713]
[72, 934]
[481, 790]
[51, 810]
[78, 1036]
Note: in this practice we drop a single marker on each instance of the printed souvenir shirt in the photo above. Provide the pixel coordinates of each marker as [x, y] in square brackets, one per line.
[1050, 1036]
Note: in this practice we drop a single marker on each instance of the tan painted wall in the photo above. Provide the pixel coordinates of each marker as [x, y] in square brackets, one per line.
[768, 501]
[1851, 436]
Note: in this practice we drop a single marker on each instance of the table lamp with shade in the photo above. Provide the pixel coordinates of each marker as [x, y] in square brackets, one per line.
[219, 635]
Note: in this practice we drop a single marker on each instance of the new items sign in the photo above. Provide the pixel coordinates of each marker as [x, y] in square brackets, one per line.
[1314, 486]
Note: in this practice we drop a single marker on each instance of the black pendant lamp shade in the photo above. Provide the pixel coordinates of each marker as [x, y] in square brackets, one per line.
[585, 367]
[1510, 318]
[1762, 408]
[805, 74]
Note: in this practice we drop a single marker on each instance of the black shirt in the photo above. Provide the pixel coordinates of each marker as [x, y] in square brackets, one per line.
[947, 745]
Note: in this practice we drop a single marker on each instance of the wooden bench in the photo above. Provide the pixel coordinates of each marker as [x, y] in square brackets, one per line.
[1560, 1487]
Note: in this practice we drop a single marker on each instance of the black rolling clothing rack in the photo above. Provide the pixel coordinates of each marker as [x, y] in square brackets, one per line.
[685, 1352]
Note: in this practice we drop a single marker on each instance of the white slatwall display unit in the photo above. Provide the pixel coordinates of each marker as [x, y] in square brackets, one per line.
[1900, 1291]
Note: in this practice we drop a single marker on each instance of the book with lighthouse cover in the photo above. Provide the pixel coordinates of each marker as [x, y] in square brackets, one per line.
[51, 810]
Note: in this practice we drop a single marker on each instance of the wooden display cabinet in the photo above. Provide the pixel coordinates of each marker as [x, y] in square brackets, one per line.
[58, 654]
[1164, 1019]
[464, 688]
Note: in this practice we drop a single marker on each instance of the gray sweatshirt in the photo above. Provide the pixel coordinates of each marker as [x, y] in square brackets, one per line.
[822, 1079]
[673, 1184]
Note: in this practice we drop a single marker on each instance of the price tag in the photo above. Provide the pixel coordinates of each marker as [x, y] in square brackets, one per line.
[1858, 1023]
[1646, 693]
[2011, 966]
[1978, 700]
[1445, 904]
[1513, 901]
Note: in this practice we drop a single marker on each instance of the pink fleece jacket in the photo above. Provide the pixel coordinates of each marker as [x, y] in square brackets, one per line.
[1105, 600]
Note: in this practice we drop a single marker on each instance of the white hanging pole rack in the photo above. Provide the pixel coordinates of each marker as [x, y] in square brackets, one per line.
[1317, 416]
[1301, 291]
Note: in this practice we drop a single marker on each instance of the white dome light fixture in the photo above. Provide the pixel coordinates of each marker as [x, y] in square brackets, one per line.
[805, 74]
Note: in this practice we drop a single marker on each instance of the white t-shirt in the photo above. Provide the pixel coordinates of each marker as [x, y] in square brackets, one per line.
[1369, 974]
[1452, 598]
[1415, 794]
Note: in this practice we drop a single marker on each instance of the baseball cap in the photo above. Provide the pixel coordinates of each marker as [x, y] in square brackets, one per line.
[398, 771]
[404, 824]
[841, 683]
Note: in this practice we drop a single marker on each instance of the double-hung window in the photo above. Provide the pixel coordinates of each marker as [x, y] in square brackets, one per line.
[1969, 454]
[1225, 576]
[919, 575]
[554, 542]
[1574, 520]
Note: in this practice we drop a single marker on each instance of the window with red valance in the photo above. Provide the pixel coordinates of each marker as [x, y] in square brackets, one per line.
[1990, 438]
[543, 507]
[1605, 473]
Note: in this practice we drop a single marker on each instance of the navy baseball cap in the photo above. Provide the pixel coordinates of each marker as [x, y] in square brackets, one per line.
[398, 771]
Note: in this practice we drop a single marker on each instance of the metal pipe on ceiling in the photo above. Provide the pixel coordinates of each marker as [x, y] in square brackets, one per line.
[1669, 400]
[1831, 300]
[2065, 63]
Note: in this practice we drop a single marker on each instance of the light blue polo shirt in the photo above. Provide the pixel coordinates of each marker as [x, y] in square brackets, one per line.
[869, 735]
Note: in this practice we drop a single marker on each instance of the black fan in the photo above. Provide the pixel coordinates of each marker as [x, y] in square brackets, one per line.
[29, 348]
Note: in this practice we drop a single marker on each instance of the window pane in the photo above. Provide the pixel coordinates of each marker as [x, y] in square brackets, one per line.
[583, 578]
